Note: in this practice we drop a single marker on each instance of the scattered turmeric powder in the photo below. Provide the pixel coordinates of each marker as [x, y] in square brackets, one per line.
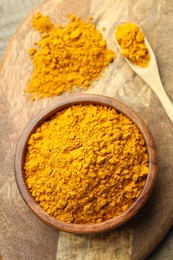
[42, 23]
[131, 40]
[87, 164]
[65, 57]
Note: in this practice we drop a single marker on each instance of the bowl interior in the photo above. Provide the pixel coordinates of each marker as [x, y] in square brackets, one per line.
[47, 113]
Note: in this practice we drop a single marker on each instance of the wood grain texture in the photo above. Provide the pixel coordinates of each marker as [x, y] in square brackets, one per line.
[17, 223]
[22, 235]
[164, 131]
[162, 199]
[12, 12]
[95, 247]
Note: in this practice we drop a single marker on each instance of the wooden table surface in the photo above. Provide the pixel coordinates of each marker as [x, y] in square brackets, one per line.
[12, 13]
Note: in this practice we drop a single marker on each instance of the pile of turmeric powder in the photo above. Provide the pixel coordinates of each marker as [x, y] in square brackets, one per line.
[132, 43]
[65, 57]
[86, 164]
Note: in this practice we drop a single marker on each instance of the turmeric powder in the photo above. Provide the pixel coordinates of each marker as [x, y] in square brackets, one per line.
[66, 57]
[132, 43]
[86, 164]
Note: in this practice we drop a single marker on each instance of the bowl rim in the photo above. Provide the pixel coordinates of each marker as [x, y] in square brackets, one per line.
[53, 109]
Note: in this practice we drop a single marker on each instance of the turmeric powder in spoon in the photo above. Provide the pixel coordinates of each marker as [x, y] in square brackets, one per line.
[132, 43]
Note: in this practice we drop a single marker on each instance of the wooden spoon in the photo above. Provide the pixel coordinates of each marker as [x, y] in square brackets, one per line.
[151, 76]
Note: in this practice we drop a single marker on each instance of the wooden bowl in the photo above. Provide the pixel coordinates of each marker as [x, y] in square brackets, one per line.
[85, 228]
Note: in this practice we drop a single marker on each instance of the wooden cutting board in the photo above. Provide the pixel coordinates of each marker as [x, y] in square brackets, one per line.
[22, 235]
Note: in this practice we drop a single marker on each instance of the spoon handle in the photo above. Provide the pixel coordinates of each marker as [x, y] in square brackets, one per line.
[151, 76]
[156, 85]
[165, 101]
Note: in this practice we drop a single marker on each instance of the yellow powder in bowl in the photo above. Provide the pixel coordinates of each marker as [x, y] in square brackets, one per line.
[86, 164]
